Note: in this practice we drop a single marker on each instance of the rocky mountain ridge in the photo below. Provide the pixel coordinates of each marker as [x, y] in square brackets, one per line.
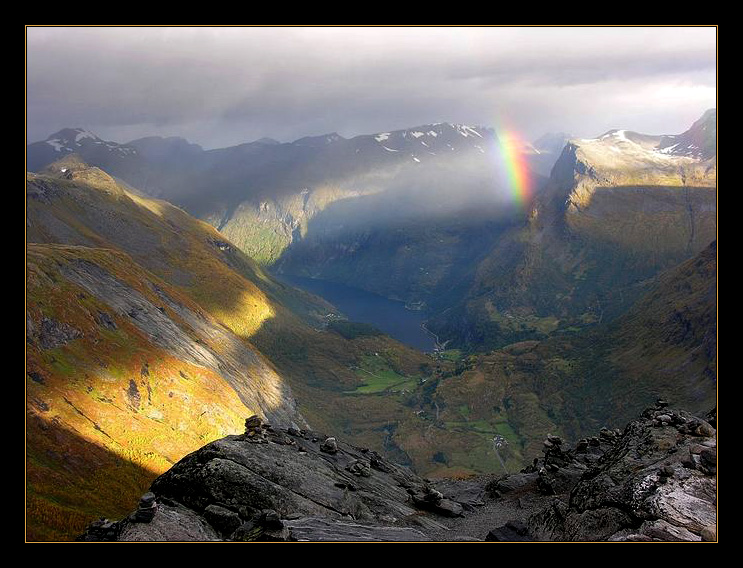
[654, 481]
[262, 195]
[621, 158]
[441, 136]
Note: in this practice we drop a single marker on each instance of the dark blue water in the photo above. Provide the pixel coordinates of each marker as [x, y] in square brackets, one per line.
[389, 316]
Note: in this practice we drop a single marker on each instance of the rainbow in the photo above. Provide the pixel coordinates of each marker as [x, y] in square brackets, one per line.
[512, 161]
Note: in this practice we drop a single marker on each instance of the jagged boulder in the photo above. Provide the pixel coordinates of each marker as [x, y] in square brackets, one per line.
[330, 446]
[655, 482]
[429, 498]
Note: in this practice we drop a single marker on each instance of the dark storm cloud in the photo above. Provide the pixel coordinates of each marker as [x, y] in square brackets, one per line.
[220, 86]
[583, 68]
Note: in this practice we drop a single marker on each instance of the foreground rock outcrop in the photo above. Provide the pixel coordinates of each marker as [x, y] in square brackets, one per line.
[654, 481]
[285, 484]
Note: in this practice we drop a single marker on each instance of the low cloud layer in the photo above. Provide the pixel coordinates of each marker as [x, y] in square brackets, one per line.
[224, 86]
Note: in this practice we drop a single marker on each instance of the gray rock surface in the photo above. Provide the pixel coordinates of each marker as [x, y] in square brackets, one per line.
[655, 481]
[171, 523]
[649, 484]
[333, 530]
[268, 484]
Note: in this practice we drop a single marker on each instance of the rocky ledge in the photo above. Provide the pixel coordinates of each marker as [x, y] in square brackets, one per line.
[655, 481]
[283, 484]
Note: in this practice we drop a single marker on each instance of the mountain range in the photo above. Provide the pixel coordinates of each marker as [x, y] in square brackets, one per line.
[151, 332]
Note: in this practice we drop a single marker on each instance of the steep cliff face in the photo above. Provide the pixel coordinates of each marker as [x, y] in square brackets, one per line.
[138, 325]
[629, 190]
[666, 343]
[265, 227]
[617, 210]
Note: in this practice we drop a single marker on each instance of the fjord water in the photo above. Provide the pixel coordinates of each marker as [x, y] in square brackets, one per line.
[389, 316]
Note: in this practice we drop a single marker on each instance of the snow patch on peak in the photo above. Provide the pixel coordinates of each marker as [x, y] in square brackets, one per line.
[82, 134]
[469, 131]
[382, 137]
[612, 135]
[464, 130]
[622, 135]
[57, 144]
[668, 149]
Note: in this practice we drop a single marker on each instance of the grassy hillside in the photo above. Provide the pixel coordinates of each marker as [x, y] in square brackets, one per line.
[149, 334]
[109, 406]
[667, 342]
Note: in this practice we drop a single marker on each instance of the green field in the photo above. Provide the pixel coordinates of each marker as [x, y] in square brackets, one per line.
[379, 377]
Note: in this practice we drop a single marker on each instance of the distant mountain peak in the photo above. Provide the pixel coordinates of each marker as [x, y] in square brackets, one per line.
[431, 139]
[73, 135]
[69, 140]
[464, 130]
[316, 141]
[698, 142]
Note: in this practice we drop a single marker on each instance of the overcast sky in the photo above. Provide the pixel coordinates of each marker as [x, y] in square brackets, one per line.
[224, 86]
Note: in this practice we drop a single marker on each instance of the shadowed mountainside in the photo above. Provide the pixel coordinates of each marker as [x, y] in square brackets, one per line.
[574, 382]
[616, 211]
